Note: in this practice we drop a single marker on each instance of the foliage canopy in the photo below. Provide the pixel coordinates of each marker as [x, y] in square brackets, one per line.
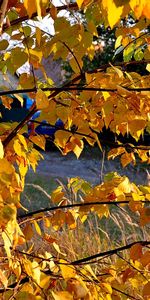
[110, 96]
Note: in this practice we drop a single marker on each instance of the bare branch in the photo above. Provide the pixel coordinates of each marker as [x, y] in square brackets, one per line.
[32, 213]
[71, 6]
[109, 252]
[3, 10]
[30, 114]
[72, 88]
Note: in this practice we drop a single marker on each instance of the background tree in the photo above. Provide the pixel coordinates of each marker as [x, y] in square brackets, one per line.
[108, 95]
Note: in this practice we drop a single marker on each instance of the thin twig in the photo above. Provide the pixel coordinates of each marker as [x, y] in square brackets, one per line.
[3, 10]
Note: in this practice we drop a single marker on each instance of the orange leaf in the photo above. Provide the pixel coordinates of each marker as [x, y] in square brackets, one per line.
[145, 259]
[146, 289]
[136, 251]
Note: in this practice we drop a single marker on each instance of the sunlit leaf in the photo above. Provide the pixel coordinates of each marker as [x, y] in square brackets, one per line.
[3, 279]
[1, 150]
[67, 271]
[37, 228]
[38, 140]
[41, 100]
[79, 2]
[57, 194]
[63, 295]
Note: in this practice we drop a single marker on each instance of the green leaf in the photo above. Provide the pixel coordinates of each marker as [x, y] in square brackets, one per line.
[138, 55]
[128, 52]
[27, 30]
[3, 44]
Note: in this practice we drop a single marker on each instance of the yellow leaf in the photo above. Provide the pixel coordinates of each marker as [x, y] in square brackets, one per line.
[7, 166]
[17, 148]
[45, 280]
[57, 194]
[36, 273]
[78, 149]
[63, 295]
[3, 279]
[125, 186]
[61, 138]
[113, 11]
[41, 100]
[89, 270]
[23, 141]
[27, 287]
[32, 6]
[38, 6]
[118, 41]
[137, 197]
[79, 2]
[56, 247]
[1, 150]
[127, 158]
[38, 36]
[67, 271]
[37, 227]
[28, 267]
[148, 67]
[35, 55]
[38, 140]
[115, 152]
[74, 65]
[107, 287]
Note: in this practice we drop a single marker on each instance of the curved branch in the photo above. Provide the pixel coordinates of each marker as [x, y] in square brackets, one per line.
[26, 17]
[109, 252]
[42, 210]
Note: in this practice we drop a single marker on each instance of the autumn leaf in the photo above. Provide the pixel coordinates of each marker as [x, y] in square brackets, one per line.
[63, 295]
[79, 2]
[38, 140]
[32, 7]
[3, 279]
[66, 270]
[136, 252]
[57, 194]
[112, 11]
[41, 100]
[1, 150]
[146, 289]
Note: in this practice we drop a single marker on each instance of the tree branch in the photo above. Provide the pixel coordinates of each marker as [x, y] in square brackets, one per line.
[72, 88]
[3, 10]
[109, 252]
[26, 17]
[94, 203]
[127, 146]
[30, 114]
